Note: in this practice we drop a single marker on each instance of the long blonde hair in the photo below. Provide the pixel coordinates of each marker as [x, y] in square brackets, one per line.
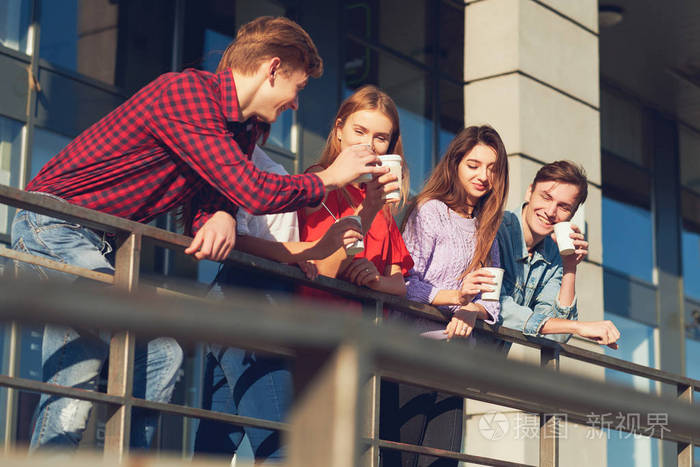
[368, 97]
[444, 185]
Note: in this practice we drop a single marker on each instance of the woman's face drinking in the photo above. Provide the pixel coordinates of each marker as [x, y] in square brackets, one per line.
[369, 127]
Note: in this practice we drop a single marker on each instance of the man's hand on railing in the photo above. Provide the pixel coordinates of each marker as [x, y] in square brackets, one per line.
[215, 240]
[603, 332]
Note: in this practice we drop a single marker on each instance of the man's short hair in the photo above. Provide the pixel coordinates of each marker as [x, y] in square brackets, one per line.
[267, 37]
[564, 172]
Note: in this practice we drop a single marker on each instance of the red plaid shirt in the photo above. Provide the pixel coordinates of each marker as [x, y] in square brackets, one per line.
[178, 140]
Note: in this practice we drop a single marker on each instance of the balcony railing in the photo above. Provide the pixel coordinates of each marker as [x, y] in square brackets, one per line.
[340, 357]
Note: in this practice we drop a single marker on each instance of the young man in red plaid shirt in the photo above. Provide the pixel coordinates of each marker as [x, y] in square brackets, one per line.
[183, 141]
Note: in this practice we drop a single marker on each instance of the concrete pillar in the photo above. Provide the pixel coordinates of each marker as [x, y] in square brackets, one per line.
[531, 69]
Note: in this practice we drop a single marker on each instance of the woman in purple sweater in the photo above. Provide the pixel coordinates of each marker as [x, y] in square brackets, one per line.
[450, 235]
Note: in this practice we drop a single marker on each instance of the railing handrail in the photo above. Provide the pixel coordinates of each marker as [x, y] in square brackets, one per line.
[114, 224]
[248, 323]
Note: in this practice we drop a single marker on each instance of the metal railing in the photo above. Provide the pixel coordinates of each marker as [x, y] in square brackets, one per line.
[340, 357]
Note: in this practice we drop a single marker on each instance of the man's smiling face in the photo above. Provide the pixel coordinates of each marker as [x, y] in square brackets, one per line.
[549, 202]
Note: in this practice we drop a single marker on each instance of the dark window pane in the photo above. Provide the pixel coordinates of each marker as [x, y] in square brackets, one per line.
[451, 113]
[622, 128]
[625, 181]
[401, 25]
[451, 39]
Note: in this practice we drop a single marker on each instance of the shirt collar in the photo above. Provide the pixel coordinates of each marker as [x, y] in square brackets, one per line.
[229, 97]
[538, 252]
[232, 109]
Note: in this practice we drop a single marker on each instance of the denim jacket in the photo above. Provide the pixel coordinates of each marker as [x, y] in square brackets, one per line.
[530, 291]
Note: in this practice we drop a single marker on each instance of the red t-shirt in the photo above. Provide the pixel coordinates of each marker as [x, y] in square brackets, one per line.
[384, 245]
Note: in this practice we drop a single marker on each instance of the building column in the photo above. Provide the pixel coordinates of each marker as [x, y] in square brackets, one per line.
[532, 72]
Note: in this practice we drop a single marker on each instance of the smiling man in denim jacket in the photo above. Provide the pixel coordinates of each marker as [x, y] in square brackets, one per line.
[538, 296]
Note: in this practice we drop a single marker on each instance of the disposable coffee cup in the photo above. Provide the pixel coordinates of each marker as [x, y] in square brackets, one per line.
[496, 294]
[358, 246]
[566, 244]
[364, 178]
[393, 161]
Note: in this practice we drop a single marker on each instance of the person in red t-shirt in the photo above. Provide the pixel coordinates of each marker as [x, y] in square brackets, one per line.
[368, 117]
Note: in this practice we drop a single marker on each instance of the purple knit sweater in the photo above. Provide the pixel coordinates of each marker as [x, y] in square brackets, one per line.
[442, 245]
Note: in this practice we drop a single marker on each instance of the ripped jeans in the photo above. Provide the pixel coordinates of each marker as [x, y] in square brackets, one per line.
[75, 359]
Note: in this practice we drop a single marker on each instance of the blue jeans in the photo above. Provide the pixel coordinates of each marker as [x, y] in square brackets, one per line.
[240, 382]
[245, 383]
[75, 359]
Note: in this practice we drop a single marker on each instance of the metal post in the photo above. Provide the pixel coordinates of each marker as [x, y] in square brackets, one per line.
[685, 450]
[549, 441]
[12, 346]
[327, 383]
[121, 354]
[370, 419]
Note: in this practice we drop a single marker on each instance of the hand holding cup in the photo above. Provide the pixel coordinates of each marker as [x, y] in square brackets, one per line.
[483, 280]
[572, 245]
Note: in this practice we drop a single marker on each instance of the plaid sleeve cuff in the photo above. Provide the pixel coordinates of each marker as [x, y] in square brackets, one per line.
[316, 189]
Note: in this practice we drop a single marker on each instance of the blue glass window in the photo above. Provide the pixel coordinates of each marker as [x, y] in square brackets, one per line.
[14, 24]
[636, 346]
[691, 263]
[627, 239]
[46, 145]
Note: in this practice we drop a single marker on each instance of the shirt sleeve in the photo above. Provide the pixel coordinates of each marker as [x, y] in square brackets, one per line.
[420, 239]
[188, 119]
[493, 307]
[530, 320]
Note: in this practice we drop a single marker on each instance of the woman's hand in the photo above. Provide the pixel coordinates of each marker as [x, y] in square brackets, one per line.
[361, 272]
[308, 268]
[461, 324]
[474, 283]
[378, 188]
[343, 232]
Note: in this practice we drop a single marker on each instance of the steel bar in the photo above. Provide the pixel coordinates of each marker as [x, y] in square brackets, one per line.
[685, 450]
[56, 265]
[549, 439]
[102, 398]
[332, 382]
[13, 347]
[121, 352]
[434, 452]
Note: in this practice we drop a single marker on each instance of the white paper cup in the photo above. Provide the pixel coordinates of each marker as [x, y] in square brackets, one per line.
[566, 244]
[358, 246]
[496, 294]
[393, 161]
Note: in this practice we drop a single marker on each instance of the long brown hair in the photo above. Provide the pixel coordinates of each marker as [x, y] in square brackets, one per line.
[444, 185]
[368, 97]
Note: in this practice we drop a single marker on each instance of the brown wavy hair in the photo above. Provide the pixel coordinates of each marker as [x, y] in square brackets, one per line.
[368, 97]
[444, 185]
[266, 37]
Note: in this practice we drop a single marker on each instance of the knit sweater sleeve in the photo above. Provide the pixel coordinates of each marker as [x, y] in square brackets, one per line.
[420, 236]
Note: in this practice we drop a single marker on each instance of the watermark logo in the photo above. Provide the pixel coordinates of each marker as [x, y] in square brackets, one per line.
[493, 426]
